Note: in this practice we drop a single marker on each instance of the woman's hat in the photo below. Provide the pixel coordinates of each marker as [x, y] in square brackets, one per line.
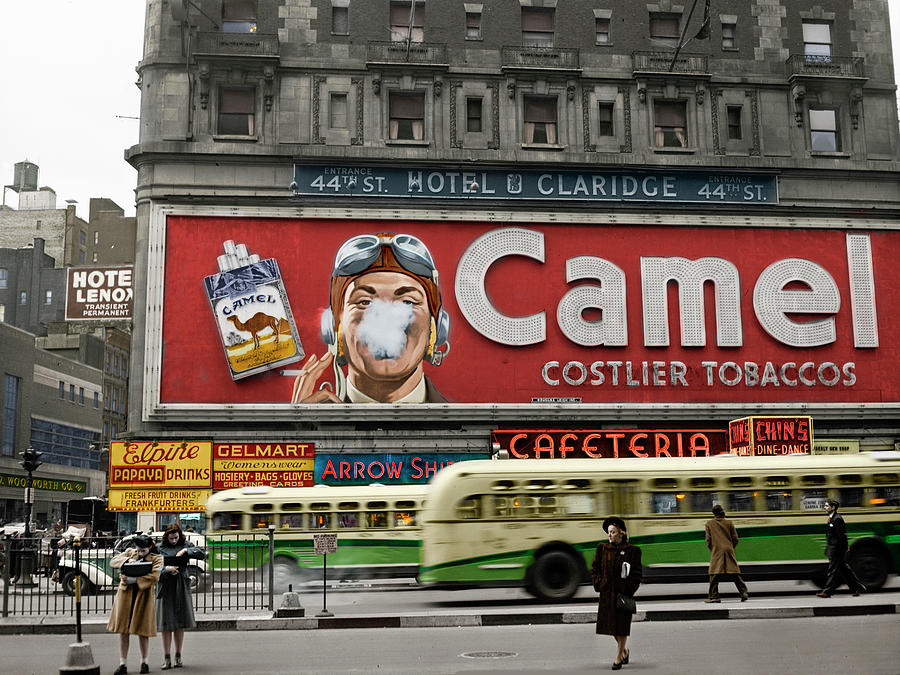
[614, 520]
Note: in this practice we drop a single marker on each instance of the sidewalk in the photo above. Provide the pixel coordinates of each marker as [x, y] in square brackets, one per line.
[651, 610]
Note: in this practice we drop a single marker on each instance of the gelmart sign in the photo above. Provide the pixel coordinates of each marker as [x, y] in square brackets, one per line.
[99, 293]
[159, 465]
[572, 313]
[610, 443]
[272, 464]
[770, 435]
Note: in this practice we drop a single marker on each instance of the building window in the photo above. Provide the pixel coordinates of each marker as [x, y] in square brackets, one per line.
[72, 393]
[37, 225]
[81, 395]
[96, 237]
[340, 20]
[473, 25]
[664, 28]
[106, 431]
[10, 413]
[602, 31]
[236, 111]
[96, 399]
[823, 130]
[540, 119]
[115, 430]
[337, 111]
[48, 297]
[23, 298]
[108, 362]
[605, 126]
[62, 389]
[670, 122]
[81, 256]
[735, 132]
[407, 117]
[817, 41]
[115, 364]
[537, 27]
[124, 366]
[4, 277]
[406, 23]
[239, 16]
[2, 313]
[729, 36]
[82, 237]
[473, 115]
[94, 257]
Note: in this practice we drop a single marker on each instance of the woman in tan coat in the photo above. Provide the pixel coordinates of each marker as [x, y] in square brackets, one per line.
[616, 570]
[134, 609]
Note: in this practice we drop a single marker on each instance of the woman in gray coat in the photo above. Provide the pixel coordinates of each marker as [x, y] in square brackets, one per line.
[174, 609]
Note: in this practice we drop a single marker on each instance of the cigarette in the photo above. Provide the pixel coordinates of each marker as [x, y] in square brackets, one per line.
[291, 373]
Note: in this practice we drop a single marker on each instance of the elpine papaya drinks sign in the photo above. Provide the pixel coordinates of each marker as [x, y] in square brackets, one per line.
[770, 435]
[536, 314]
[160, 464]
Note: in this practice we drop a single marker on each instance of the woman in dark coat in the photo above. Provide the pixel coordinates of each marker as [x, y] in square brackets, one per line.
[611, 577]
[174, 609]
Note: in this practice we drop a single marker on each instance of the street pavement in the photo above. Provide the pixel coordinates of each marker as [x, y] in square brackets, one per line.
[402, 605]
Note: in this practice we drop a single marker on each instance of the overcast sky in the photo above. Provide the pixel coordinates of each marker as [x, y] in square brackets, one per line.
[67, 82]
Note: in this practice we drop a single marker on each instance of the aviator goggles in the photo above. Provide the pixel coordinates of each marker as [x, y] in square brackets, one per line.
[359, 253]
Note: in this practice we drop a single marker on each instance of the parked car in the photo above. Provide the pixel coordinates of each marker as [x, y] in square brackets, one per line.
[97, 574]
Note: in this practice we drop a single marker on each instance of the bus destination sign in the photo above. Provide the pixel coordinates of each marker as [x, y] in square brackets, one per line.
[594, 186]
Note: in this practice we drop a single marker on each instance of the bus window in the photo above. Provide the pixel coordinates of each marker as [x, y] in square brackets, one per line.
[321, 521]
[577, 504]
[576, 484]
[376, 519]
[261, 521]
[813, 480]
[885, 496]
[261, 507]
[850, 497]
[667, 502]
[519, 506]
[469, 508]
[546, 506]
[702, 501]
[539, 484]
[227, 520]
[813, 500]
[779, 500]
[292, 506]
[348, 520]
[404, 519]
[291, 521]
[741, 481]
[740, 501]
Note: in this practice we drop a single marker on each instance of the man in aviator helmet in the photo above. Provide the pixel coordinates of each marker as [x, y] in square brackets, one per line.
[385, 317]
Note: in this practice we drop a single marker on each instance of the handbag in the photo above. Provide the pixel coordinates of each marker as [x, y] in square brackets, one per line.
[626, 603]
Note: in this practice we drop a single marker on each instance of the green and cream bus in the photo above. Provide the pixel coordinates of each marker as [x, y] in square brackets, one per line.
[377, 526]
[536, 523]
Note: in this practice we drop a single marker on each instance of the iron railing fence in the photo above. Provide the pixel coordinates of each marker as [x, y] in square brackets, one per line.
[39, 579]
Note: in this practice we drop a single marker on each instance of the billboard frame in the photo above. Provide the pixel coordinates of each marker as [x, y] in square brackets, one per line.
[154, 410]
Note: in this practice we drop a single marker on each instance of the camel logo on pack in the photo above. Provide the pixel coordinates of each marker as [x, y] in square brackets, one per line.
[252, 312]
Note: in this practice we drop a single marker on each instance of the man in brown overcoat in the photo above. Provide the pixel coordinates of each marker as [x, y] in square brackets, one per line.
[721, 539]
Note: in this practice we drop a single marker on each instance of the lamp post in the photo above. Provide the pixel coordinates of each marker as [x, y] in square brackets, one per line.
[31, 460]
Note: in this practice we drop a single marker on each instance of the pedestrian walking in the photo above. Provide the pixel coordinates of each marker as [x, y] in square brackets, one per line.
[839, 570]
[174, 609]
[616, 573]
[134, 612]
[721, 540]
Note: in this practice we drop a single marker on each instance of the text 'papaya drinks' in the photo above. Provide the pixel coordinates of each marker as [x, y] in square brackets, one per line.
[252, 312]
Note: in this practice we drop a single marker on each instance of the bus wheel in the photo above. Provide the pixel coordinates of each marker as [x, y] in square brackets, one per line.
[870, 566]
[286, 571]
[197, 579]
[554, 577]
[68, 583]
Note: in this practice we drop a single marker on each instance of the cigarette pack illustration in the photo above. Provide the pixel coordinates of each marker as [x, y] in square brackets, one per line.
[252, 313]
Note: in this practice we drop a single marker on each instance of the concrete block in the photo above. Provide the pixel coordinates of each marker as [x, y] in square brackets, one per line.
[439, 621]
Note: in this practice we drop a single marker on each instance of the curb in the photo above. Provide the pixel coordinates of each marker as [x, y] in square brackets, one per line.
[59, 625]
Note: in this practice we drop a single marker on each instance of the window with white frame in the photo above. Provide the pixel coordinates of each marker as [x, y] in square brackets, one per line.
[337, 110]
[48, 297]
[4, 277]
[407, 116]
[237, 107]
[670, 124]
[539, 115]
[473, 115]
[407, 22]
[817, 41]
[823, 130]
[665, 29]
[473, 25]
[2, 313]
[239, 16]
[735, 128]
[23, 298]
[602, 29]
[605, 119]
[537, 26]
[96, 237]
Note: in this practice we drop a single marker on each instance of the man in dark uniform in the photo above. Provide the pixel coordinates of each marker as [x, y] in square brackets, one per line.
[839, 570]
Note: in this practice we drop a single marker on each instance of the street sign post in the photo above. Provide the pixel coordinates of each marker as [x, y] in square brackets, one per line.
[323, 544]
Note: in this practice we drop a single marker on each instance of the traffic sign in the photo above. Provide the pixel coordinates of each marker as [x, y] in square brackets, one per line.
[324, 543]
